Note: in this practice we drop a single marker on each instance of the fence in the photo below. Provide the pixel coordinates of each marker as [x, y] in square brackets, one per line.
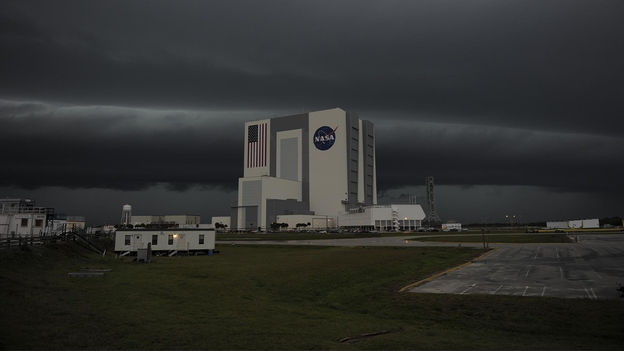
[9, 242]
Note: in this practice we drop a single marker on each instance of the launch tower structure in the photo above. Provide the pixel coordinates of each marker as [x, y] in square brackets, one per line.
[433, 215]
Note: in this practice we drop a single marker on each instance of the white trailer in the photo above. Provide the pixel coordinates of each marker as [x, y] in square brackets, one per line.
[447, 227]
[575, 224]
[170, 241]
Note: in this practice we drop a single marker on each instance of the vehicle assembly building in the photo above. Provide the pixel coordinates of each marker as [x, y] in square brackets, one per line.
[314, 166]
[317, 163]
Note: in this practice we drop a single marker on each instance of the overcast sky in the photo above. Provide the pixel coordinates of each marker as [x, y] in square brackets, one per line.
[515, 107]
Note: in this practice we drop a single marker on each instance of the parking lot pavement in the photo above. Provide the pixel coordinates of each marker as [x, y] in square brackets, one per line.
[588, 269]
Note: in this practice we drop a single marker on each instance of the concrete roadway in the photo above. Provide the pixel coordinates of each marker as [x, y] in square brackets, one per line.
[587, 269]
[378, 241]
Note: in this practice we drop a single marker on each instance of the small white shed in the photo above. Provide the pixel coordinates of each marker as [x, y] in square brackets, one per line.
[171, 241]
[453, 226]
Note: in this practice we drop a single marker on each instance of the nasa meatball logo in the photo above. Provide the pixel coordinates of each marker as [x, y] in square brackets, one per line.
[324, 138]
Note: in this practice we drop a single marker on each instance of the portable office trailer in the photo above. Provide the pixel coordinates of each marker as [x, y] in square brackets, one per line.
[165, 240]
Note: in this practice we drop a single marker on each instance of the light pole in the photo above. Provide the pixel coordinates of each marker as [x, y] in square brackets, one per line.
[483, 230]
[326, 224]
[511, 217]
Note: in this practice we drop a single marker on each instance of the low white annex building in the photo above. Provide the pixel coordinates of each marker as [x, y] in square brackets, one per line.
[574, 224]
[316, 222]
[383, 217]
[165, 219]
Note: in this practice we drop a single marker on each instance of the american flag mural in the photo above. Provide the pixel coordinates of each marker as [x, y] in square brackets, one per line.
[257, 145]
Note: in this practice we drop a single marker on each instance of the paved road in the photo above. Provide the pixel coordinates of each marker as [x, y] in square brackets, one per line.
[588, 269]
[378, 241]
[381, 241]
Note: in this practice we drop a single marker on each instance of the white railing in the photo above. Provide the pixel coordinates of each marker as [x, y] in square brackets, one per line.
[24, 210]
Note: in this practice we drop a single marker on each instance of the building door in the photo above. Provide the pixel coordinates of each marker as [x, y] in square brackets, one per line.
[137, 241]
[182, 246]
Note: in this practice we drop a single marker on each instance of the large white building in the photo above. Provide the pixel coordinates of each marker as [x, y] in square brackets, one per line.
[165, 219]
[20, 217]
[318, 163]
[383, 217]
[317, 168]
[574, 224]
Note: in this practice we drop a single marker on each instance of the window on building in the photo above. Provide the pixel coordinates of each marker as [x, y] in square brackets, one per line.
[24, 222]
[127, 241]
[201, 239]
[154, 239]
[170, 241]
[38, 222]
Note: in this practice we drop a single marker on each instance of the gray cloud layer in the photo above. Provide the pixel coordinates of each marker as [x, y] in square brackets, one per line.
[130, 149]
[128, 95]
[118, 148]
[552, 66]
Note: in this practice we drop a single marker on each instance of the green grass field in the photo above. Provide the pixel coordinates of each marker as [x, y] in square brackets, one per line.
[301, 236]
[500, 238]
[278, 298]
[316, 236]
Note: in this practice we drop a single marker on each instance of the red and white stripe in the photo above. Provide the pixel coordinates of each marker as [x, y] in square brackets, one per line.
[257, 151]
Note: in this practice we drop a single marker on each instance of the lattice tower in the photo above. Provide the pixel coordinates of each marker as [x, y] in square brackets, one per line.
[433, 215]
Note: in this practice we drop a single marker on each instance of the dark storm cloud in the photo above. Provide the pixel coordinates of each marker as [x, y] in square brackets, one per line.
[118, 148]
[552, 66]
[135, 149]
[468, 156]
[122, 94]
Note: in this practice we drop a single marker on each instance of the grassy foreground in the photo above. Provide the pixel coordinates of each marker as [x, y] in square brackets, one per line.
[500, 238]
[278, 298]
[301, 236]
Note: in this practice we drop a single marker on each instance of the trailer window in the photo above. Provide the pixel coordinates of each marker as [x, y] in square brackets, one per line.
[38, 222]
[24, 222]
[170, 239]
[154, 239]
[201, 239]
[127, 242]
